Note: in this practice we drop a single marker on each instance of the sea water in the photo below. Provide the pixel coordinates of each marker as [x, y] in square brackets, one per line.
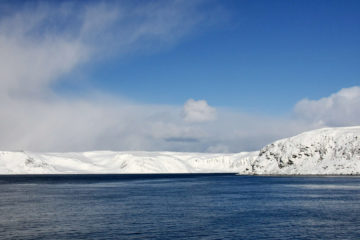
[179, 207]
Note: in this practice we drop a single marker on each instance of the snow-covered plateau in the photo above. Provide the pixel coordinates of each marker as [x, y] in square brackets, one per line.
[123, 162]
[328, 151]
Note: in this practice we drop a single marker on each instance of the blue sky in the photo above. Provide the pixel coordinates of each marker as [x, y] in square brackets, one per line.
[204, 76]
[260, 56]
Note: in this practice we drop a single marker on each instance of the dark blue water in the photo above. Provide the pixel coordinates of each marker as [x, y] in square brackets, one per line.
[179, 207]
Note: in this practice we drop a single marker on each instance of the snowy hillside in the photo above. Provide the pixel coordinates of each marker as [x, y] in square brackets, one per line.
[323, 151]
[123, 162]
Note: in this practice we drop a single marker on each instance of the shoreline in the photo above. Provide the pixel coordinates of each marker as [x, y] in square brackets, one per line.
[170, 174]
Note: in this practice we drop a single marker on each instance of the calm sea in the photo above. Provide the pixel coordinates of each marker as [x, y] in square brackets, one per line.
[179, 207]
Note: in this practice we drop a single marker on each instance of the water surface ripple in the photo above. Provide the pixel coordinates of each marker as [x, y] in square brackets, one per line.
[179, 207]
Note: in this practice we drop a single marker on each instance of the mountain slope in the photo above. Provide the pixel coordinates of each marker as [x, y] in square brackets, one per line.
[322, 151]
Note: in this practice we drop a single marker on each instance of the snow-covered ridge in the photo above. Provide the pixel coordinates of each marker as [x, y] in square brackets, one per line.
[323, 151]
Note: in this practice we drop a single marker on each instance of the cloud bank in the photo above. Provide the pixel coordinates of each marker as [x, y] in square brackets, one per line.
[39, 43]
[339, 109]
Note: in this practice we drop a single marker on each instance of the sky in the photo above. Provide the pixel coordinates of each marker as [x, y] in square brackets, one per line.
[201, 76]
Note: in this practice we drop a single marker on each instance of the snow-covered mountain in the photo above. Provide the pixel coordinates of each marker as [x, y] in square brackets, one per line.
[323, 151]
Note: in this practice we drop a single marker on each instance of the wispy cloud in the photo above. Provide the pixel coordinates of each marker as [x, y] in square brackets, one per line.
[40, 42]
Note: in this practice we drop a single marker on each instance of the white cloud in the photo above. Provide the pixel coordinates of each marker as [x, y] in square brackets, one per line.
[198, 111]
[339, 109]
